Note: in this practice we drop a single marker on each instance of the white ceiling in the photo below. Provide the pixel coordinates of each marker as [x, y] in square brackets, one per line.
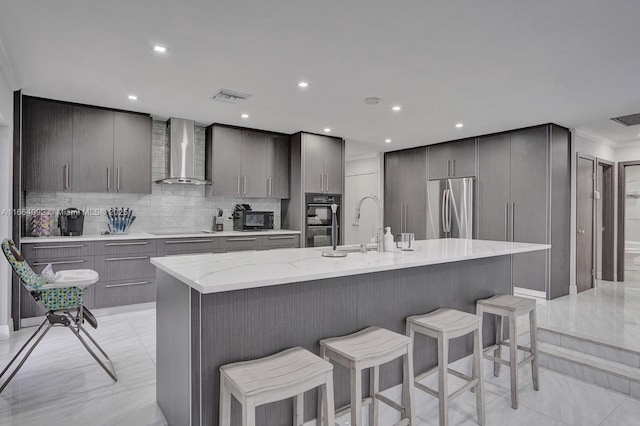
[493, 65]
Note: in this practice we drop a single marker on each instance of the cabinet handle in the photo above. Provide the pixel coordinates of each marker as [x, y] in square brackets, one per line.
[66, 176]
[506, 221]
[240, 239]
[321, 182]
[188, 241]
[139, 243]
[448, 168]
[58, 247]
[453, 167]
[327, 176]
[284, 237]
[238, 181]
[244, 185]
[269, 182]
[118, 178]
[115, 259]
[108, 179]
[513, 222]
[61, 262]
[126, 284]
[406, 217]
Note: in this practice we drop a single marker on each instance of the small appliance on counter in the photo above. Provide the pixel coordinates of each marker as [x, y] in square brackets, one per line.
[218, 221]
[71, 222]
[245, 219]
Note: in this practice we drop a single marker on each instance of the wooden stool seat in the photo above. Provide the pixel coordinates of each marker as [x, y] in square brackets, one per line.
[284, 375]
[446, 324]
[368, 349]
[512, 307]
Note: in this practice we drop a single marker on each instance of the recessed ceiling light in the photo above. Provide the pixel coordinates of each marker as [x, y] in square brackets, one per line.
[396, 108]
[303, 84]
[387, 140]
[245, 116]
[160, 49]
[133, 97]
[459, 125]
[327, 129]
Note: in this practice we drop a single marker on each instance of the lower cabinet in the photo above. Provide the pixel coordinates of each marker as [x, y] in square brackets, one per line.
[124, 292]
[126, 273]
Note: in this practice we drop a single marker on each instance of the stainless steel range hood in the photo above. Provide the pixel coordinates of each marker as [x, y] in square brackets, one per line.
[182, 153]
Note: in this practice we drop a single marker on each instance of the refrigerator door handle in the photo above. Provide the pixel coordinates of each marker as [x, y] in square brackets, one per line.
[449, 211]
[444, 211]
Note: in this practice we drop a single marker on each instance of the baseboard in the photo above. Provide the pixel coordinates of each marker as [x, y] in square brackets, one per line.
[527, 292]
[34, 321]
[5, 331]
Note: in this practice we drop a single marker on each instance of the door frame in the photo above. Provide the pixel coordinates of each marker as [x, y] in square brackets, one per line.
[607, 198]
[594, 222]
[622, 190]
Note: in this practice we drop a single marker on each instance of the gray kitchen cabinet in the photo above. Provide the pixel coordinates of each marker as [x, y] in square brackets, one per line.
[124, 292]
[173, 246]
[124, 266]
[125, 247]
[323, 164]
[46, 250]
[240, 243]
[131, 153]
[494, 187]
[254, 165]
[452, 159]
[280, 241]
[92, 168]
[47, 145]
[278, 166]
[406, 191]
[514, 201]
[84, 149]
[224, 150]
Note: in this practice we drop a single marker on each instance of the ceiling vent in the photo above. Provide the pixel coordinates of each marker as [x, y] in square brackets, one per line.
[231, 96]
[628, 120]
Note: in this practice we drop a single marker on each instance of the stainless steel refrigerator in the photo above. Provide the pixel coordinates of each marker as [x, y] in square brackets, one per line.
[450, 208]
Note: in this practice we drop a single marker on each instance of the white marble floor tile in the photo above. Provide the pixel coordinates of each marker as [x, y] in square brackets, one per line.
[626, 414]
[569, 400]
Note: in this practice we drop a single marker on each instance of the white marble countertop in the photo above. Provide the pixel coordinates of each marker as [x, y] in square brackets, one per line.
[213, 273]
[148, 236]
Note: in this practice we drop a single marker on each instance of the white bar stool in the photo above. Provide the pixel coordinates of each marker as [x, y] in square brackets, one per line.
[368, 349]
[284, 375]
[446, 324]
[512, 307]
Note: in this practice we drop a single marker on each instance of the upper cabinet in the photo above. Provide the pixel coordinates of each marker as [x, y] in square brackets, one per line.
[47, 135]
[323, 161]
[452, 159]
[84, 149]
[247, 163]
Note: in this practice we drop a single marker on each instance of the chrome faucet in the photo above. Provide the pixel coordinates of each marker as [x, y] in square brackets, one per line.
[378, 236]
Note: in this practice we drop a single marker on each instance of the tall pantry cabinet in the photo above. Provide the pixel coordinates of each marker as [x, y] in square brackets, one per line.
[524, 196]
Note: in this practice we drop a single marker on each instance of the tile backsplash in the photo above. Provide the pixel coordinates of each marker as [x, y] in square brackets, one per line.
[169, 208]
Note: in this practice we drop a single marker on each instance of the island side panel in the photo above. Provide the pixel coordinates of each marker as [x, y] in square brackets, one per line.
[173, 341]
[195, 357]
[254, 323]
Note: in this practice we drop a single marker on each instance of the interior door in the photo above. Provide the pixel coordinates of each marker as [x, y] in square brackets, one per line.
[584, 224]
[356, 187]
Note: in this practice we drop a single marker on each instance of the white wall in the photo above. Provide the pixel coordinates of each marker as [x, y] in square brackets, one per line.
[6, 136]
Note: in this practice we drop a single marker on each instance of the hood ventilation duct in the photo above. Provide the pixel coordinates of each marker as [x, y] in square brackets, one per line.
[182, 154]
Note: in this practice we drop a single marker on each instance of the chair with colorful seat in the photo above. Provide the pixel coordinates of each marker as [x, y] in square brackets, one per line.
[62, 302]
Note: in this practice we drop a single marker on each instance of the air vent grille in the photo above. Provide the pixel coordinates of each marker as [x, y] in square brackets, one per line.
[231, 96]
[628, 120]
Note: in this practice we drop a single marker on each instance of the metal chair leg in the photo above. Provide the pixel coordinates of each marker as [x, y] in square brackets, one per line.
[110, 371]
[26, 355]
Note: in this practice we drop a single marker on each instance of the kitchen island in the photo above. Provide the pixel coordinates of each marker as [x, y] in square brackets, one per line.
[214, 309]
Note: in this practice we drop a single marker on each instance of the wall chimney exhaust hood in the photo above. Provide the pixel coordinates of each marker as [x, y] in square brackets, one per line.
[182, 153]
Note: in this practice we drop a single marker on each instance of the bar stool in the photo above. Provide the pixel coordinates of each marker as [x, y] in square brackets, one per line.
[512, 307]
[446, 324]
[287, 374]
[368, 349]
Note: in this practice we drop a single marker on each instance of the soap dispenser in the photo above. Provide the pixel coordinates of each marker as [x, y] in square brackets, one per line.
[387, 240]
